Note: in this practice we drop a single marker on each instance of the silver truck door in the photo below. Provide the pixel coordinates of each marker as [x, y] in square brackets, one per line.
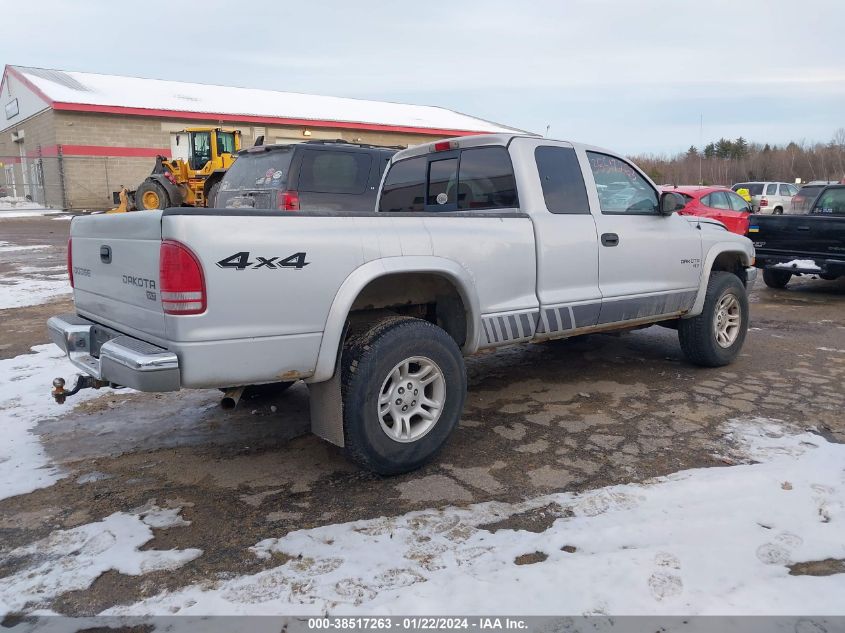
[553, 192]
[649, 264]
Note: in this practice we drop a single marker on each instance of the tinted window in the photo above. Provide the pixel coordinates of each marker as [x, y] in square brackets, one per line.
[404, 186]
[831, 201]
[486, 179]
[754, 188]
[736, 202]
[771, 189]
[260, 170]
[561, 179]
[334, 172]
[784, 190]
[620, 187]
[442, 182]
[718, 200]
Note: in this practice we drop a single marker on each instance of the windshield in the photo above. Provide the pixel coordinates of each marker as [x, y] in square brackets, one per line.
[266, 169]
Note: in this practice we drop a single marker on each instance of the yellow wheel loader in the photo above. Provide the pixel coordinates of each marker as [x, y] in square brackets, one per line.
[193, 176]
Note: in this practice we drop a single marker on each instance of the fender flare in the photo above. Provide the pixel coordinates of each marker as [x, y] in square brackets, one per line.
[173, 191]
[363, 275]
[715, 250]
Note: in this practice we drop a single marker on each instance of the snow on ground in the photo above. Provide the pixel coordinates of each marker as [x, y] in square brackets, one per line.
[25, 399]
[17, 292]
[704, 541]
[22, 208]
[30, 285]
[69, 560]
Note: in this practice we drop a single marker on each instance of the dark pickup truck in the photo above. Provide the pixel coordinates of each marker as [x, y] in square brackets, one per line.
[810, 244]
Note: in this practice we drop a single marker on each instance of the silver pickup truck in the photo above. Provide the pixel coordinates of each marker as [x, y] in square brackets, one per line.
[475, 243]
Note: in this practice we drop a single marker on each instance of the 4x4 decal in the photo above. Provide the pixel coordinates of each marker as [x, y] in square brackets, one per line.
[240, 261]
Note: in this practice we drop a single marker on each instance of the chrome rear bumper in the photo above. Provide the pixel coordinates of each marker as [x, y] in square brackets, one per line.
[121, 359]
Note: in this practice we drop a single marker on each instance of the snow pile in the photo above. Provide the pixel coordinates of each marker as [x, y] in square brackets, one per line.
[800, 264]
[25, 399]
[69, 560]
[155, 94]
[705, 541]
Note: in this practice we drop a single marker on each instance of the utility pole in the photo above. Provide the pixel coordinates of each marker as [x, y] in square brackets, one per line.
[700, 147]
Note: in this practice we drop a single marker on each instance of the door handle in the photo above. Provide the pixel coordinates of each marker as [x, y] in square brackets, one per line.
[803, 228]
[609, 239]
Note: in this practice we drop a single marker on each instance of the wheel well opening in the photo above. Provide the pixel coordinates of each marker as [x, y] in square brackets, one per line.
[428, 296]
[730, 262]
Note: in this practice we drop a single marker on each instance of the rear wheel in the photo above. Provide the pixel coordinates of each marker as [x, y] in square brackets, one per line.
[776, 278]
[404, 385]
[151, 195]
[715, 337]
[778, 211]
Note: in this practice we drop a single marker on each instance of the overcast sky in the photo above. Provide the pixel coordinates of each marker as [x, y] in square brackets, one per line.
[630, 75]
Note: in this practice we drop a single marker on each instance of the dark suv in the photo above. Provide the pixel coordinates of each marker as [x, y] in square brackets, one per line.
[326, 175]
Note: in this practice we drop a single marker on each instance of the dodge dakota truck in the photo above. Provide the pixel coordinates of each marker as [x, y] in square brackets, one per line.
[475, 243]
[796, 245]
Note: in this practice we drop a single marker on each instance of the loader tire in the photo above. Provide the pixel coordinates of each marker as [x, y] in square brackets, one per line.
[150, 196]
[403, 388]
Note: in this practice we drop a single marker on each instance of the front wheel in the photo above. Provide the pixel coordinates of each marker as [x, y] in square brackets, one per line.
[776, 278]
[714, 338]
[150, 196]
[404, 386]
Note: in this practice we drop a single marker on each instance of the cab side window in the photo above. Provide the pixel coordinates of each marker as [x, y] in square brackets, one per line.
[561, 179]
[621, 189]
[468, 180]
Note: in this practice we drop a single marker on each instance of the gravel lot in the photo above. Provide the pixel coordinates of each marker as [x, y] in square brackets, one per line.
[565, 416]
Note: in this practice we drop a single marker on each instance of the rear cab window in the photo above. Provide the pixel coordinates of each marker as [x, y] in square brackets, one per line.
[470, 179]
[266, 169]
[754, 188]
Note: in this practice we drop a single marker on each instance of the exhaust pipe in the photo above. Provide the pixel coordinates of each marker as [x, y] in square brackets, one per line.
[231, 397]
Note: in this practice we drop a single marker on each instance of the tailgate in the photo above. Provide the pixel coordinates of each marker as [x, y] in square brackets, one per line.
[115, 270]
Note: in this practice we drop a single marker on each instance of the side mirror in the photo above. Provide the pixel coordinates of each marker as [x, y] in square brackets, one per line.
[671, 202]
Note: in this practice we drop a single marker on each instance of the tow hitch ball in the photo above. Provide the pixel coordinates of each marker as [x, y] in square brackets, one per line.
[60, 394]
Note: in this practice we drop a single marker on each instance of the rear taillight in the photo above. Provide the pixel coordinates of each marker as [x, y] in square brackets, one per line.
[181, 280]
[287, 200]
[764, 202]
[70, 260]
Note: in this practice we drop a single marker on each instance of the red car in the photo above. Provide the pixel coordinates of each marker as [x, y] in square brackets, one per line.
[717, 203]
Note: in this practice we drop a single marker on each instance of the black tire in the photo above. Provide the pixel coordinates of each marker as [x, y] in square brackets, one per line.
[698, 335]
[829, 276]
[777, 211]
[776, 278]
[154, 189]
[211, 200]
[369, 358]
